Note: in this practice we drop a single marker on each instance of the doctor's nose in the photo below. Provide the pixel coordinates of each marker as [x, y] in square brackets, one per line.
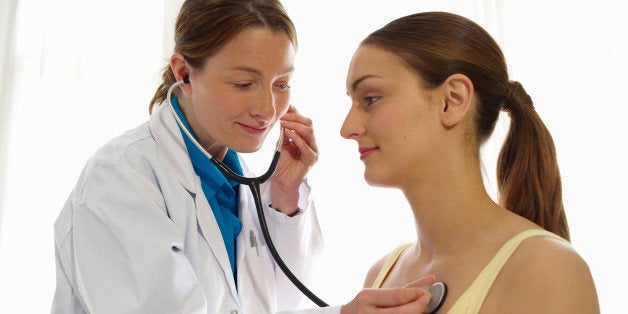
[265, 105]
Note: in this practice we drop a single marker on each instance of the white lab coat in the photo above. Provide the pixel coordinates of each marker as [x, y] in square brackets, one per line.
[137, 235]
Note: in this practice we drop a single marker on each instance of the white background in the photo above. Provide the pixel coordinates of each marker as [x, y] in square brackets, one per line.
[85, 72]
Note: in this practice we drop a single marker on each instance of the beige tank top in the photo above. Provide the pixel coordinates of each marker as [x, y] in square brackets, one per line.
[471, 300]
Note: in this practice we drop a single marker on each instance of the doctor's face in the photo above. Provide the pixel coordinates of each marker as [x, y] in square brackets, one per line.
[241, 91]
[391, 118]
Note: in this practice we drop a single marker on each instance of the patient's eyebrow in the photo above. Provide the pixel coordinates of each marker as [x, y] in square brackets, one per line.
[357, 82]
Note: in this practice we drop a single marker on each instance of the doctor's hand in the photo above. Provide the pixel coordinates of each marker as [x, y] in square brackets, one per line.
[298, 154]
[425, 281]
[390, 300]
[410, 299]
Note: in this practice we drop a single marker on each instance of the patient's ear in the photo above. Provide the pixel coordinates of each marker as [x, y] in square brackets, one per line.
[457, 97]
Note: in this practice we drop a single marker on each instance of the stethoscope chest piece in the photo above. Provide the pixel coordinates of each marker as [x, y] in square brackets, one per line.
[439, 292]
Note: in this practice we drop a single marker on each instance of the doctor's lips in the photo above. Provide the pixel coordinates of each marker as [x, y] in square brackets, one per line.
[253, 129]
[366, 151]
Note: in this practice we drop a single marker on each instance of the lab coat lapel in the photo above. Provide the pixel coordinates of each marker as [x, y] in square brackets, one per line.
[168, 136]
[211, 232]
[247, 225]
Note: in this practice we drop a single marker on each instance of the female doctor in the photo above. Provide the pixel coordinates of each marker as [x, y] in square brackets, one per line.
[153, 227]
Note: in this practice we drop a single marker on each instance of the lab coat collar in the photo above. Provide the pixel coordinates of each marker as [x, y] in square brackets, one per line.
[166, 132]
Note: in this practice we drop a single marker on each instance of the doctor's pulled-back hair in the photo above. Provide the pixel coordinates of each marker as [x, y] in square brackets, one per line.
[205, 26]
[436, 45]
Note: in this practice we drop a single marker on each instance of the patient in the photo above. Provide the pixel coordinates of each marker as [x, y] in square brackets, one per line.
[426, 92]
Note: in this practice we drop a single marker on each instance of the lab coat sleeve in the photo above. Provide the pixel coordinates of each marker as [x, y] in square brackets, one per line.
[122, 252]
[321, 310]
[299, 241]
[64, 301]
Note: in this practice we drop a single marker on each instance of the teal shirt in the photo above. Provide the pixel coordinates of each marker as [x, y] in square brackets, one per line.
[221, 193]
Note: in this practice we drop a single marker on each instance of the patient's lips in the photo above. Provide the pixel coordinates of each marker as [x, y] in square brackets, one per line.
[366, 151]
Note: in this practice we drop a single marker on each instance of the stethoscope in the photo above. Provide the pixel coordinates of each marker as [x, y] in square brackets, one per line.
[438, 290]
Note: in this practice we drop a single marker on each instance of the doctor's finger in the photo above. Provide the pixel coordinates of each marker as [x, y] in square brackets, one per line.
[309, 155]
[294, 115]
[301, 124]
[304, 131]
[417, 306]
[384, 298]
[425, 281]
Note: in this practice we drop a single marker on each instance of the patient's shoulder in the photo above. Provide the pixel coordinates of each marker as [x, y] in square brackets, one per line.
[377, 268]
[374, 271]
[550, 270]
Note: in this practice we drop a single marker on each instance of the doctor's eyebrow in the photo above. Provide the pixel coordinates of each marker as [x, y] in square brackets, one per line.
[258, 72]
[357, 82]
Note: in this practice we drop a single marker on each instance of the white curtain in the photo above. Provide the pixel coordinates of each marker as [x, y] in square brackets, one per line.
[81, 72]
[7, 18]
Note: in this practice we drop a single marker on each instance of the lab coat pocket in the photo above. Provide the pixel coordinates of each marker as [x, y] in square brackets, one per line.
[256, 279]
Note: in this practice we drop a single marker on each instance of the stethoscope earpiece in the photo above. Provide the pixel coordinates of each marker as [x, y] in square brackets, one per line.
[186, 79]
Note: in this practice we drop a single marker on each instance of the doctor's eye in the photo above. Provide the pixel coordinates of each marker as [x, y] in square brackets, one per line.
[242, 86]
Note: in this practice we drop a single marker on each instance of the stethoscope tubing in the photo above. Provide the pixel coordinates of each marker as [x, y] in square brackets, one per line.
[254, 186]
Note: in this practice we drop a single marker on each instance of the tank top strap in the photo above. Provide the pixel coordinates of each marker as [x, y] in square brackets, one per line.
[388, 264]
[472, 299]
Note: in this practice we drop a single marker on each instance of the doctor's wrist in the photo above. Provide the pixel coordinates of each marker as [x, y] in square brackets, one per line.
[284, 199]
[289, 213]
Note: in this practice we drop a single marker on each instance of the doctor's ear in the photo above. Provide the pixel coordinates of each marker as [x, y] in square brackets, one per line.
[457, 97]
[180, 70]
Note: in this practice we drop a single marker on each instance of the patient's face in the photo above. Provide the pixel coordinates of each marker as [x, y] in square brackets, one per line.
[391, 118]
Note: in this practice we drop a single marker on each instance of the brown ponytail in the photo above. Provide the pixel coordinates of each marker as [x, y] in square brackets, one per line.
[437, 45]
[528, 177]
[204, 26]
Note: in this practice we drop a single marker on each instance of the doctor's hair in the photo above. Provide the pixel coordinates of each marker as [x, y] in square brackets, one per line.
[204, 26]
[436, 45]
